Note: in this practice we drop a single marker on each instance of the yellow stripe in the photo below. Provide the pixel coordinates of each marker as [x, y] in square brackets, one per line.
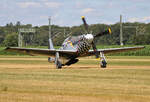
[109, 31]
[70, 43]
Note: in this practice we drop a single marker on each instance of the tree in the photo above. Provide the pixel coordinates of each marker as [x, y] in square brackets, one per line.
[18, 23]
[2, 35]
[11, 40]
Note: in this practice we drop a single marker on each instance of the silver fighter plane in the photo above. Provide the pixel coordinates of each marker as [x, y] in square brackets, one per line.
[74, 47]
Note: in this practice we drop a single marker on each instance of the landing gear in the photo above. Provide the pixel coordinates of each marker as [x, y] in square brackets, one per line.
[57, 61]
[49, 59]
[58, 65]
[103, 62]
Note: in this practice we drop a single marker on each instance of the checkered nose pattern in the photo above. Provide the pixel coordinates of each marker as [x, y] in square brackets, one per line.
[85, 43]
[83, 47]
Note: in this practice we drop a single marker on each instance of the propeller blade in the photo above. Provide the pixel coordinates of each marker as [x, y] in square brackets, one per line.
[95, 50]
[103, 33]
[98, 35]
[85, 24]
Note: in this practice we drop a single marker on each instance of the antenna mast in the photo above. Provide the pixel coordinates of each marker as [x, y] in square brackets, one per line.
[49, 27]
[121, 33]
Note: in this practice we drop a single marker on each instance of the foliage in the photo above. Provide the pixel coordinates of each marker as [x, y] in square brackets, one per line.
[11, 40]
[131, 36]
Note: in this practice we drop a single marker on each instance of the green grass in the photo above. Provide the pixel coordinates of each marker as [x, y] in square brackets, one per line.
[2, 52]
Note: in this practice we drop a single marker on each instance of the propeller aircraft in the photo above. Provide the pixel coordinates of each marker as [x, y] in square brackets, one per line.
[74, 47]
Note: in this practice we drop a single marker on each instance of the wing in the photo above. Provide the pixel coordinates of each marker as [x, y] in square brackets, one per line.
[45, 52]
[114, 50]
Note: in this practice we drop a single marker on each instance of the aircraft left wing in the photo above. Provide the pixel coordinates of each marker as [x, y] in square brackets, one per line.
[37, 51]
[114, 50]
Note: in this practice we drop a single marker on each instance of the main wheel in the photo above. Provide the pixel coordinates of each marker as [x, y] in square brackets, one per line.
[58, 65]
[103, 64]
[49, 59]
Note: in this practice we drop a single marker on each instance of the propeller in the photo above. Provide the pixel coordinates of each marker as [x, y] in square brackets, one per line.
[85, 24]
[103, 33]
[95, 49]
[97, 35]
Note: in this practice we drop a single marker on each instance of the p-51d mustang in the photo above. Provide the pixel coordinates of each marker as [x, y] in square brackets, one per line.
[74, 47]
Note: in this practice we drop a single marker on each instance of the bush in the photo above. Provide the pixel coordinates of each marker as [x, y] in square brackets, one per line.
[11, 40]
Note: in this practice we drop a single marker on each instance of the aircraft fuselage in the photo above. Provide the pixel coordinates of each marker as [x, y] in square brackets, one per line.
[81, 44]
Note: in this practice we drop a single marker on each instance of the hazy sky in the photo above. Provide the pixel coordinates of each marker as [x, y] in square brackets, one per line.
[69, 12]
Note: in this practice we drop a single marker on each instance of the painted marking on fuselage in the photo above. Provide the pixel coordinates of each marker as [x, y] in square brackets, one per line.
[70, 43]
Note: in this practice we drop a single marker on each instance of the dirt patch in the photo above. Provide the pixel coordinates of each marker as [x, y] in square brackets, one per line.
[145, 60]
[28, 59]
[74, 66]
[126, 67]
[7, 97]
[77, 66]
[21, 66]
[108, 67]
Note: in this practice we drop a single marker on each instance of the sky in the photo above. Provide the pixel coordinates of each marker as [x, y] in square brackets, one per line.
[69, 12]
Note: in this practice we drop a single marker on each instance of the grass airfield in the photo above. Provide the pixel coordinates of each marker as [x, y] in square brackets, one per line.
[33, 79]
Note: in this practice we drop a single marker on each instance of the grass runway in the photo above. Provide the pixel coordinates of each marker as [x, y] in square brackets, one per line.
[33, 79]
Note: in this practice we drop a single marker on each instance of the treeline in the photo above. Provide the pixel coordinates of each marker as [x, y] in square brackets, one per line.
[133, 34]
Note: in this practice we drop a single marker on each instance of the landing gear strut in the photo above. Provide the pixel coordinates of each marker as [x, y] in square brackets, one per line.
[57, 61]
[103, 62]
[58, 65]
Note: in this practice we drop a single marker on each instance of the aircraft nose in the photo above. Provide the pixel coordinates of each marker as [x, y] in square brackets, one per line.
[89, 37]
